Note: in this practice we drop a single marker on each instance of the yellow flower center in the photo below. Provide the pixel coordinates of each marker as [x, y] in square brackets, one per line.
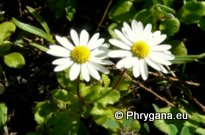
[80, 54]
[140, 49]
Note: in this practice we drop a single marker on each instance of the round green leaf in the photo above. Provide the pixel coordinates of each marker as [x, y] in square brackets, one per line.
[6, 30]
[185, 131]
[3, 114]
[122, 11]
[14, 60]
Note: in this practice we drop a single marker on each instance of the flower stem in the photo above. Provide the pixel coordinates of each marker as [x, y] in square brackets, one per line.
[119, 79]
[78, 88]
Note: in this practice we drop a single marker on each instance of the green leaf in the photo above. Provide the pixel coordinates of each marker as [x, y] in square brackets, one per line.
[34, 30]
[104, 116]
[40, 47]
[191, 12]
[65, 82]
[64, 123]
[43, 111]
[187, 58]
[14, 60]
[99, 94]
[110, 97]
[70, 11]
[145, 16]
[105, 80]
[111, 29]
[127, 122]
[124, 84]
[3, 114]
[165, 9]
[170, 26]
[63, 7]
[39, 19]
[191, 119]
[145, 129]
[122, 11]
[200, 131]
[178, 48]
[66, 100]
[6, 29]
[173, 130]
[168, 2]
[185, 131]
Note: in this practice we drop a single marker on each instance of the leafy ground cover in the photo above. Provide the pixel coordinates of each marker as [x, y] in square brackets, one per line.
[35, 100]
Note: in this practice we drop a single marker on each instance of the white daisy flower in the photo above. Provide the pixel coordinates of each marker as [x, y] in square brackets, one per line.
[140, 47]
[84, 57]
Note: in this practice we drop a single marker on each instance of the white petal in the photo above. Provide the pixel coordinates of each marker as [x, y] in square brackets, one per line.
[119, 53]
[85, 72]
[119, 44]
[93, 72]
[143, 69]
[74, 37]
[93, 40]
[139, 27]
[100, 52]
[62, 61]
[134, 26]
[74, 71]
[120, 64]
[98, 43]
[102, 62]
[61, 67]
[65, 42]
[136, 68]
[161, 47]
[122, 37]
[160, 59]
[125, 63]
[84, 37]
[56, 50]
[163, 69]
[159, 39]
[100, 68]
[127, 31]
[153, 64]
[128, 62]
[166, 56]
[105, 45]
[147, 31]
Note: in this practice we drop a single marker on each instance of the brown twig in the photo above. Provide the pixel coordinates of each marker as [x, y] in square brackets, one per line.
[175, 79]
[190, 97]
[119, 79]
[20, 9]
[151, 92]
[198, 103]
[104, 15]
